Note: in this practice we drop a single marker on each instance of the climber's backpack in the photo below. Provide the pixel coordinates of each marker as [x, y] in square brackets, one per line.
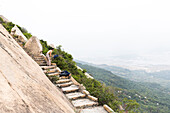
[55, 56]
[64, 73]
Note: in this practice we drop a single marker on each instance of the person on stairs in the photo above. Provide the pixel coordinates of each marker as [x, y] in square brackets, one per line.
[49, 55]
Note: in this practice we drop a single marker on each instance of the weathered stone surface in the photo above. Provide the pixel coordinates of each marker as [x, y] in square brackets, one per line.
[50, 71]
[54, 74]
[24, 88]
[16, 31]
[87, 75]
[75, 95]
[51, 45]
[92, 98]
[82, 103]
[86, 92]
[82, 87]
[75, 82]
[63, 81]
[71, 88]
[33, 46]
[65, 84]
[48, 67]
[98, 109]
[58, 69]
[108, 109]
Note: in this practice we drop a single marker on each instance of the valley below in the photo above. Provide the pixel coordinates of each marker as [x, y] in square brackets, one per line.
[150, 89]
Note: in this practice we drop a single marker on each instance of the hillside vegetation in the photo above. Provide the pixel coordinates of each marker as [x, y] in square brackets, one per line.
[152, 97]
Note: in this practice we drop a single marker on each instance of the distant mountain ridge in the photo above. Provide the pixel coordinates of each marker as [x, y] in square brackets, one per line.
[161, 77]
[149, 95]
[151, 62]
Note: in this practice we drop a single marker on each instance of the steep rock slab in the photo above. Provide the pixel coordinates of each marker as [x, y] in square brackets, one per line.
[24, 88]
[33, 46]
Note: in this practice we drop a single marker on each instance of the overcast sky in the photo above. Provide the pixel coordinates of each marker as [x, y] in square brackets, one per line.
[92, 28]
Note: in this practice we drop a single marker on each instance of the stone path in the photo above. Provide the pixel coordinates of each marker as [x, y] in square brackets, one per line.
[40, 60]
[81, 99]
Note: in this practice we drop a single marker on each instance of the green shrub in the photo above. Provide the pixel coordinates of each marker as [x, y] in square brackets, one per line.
[1, 20]
[27, 35]
[8, 26]
[84, 70]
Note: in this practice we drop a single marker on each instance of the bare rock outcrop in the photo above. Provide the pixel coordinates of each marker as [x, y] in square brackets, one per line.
[24, 88]
[52, 45]
[33, 46]
[15, 31]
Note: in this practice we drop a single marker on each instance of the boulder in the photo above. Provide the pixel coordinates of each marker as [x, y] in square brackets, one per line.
[15, 31]
[33, 46]
[24, 88]
[52, 45]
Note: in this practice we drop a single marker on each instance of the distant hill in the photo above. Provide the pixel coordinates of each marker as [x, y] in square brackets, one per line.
[162, 77]
[145, 93]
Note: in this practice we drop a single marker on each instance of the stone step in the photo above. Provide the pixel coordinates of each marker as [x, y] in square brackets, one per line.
[48, 67]
[83, 103]
[92, 98]
[53, 74]
[38, 57]
[108, 109]
[39, 60]
[97, 109]
[63, 81]
[65, 84]
[50, 71]
[42, 64]
[76, 95]
[69, 89]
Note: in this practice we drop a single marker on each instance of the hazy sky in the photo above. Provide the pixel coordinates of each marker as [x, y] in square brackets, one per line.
[92, 28]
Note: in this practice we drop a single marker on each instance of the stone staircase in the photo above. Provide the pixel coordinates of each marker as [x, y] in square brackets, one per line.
[40, 60]
[78, 96]
[81, 99]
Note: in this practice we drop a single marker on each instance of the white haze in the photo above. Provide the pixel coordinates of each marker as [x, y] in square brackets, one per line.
[99, 31]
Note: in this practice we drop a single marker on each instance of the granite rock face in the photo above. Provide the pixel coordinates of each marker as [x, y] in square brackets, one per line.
[24, 88]
[33, 46]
